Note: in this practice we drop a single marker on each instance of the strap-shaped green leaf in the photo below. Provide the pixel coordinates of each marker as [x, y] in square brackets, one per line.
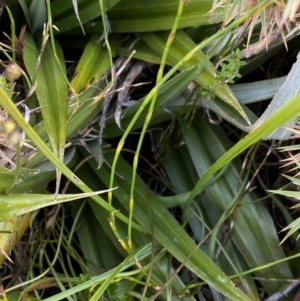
[64, 17]
[132, 15]
[51, 91]
[38, 16]
[18, 204]
[93, 63]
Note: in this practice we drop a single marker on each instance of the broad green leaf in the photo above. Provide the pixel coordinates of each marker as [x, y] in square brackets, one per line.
[202, 215]
[87, 110]
[143, 52]
[64, 17]
[265, 89]
[49, 80]
[28, 180]
[133, 15]
[25, 9]
[38, 16]
[94, 253]
[93, 63]
[136, 16]
[51, 91]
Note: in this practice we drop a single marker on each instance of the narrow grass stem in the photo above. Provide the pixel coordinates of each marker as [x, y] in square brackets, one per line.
[13, 34]
[149, 115]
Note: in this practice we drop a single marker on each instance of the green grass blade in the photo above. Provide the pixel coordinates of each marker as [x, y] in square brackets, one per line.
[148, 118]
[135, 16]
[92, 64]
[51, 91]
[65, 19]
[18, 204]
[253, 231]
[287, 112]
[132, 15]
[128, 262]
[167, 231]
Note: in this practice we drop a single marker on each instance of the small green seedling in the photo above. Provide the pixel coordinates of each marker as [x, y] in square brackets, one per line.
[230, 67]
[4, 84]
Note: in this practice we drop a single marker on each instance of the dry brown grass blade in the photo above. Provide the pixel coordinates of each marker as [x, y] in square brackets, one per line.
[291, 9]
[278, 18]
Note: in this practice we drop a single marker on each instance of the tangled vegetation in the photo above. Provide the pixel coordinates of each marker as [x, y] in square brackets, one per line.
[144, 125]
